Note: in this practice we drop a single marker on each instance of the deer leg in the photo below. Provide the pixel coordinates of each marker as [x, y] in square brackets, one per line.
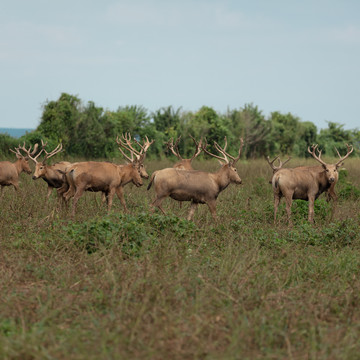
[120, 195]
[69, 194]
[49, 190]
[110, 196]
[78, 194]
[1, 191]
[192, 210]
[288, 200]
[212, 207]
[311, 209]
[16, 186]
[276, 205]
[157, 203]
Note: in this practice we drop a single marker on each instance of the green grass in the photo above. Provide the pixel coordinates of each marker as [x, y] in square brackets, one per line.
[140, 285]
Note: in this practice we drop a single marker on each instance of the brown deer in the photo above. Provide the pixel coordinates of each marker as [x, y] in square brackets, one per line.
[199, 187]
[306, 182]
[184, 164]
[49, 173]
[9, 172]
[107, 177]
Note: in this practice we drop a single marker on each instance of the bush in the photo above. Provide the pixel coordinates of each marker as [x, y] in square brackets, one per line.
[129, 230]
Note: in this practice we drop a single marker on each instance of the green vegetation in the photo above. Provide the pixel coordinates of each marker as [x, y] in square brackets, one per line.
[141, 285]
[89, 131]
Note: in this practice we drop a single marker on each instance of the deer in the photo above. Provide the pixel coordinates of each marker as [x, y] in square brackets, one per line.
[10, 172]
[198, 187]
[184, 164]
[51, 174]
[107, 177]
[307, 182]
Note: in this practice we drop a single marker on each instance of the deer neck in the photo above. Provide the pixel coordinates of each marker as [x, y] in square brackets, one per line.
[125, 175]
[222, 178]
[18, 166]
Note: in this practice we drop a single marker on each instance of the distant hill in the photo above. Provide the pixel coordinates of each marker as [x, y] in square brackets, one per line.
[16, 133]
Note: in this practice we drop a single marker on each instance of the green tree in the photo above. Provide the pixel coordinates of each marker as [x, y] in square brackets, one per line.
[335, 136]
[90, 139]
[284, 132]
[59, 118]
[250, 124]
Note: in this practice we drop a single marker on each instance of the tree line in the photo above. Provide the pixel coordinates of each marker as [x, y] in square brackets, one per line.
[89, 131]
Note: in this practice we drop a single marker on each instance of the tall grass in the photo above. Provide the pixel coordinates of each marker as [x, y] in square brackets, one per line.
[140, 285]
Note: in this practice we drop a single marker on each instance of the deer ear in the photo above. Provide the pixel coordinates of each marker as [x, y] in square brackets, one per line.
[324, 166]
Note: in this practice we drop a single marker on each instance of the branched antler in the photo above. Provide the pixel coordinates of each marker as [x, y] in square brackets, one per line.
[126, 143]
[281, 164]
[28, 152]
[350, 149]
[313, 153]
[223, 152]
[174, 147]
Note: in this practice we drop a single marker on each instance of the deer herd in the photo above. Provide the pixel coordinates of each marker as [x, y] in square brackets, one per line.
[181, 182]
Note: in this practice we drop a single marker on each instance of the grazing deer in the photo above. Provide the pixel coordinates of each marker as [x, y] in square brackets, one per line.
[51, 174]
[184, 164]
[9, 172]
[306, 182]
[199, 187]
[276, 168]
[107, 177]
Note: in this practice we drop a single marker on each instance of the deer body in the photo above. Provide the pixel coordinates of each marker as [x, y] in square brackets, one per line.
[199, 187]
[107, 177]
[306, 183]
[9, 172]
[100, 176]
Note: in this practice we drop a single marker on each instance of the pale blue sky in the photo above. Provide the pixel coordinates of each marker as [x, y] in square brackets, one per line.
[301, 57]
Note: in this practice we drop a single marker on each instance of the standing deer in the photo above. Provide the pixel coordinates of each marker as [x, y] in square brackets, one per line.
[184, 164]
[9, 172]
[107, 177]
[306, 182]
[49, 173]
[199, 187]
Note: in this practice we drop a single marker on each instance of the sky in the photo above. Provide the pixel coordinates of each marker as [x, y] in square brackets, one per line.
[298, 57]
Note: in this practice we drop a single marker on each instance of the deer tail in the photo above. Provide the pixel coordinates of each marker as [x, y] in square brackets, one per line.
[151, 180]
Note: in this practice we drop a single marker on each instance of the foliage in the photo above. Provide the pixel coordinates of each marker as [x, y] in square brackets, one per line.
[90, 131]
[125, 229]
[7, 142]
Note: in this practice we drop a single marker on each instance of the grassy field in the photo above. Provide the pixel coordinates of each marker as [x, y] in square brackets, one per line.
[147, 286]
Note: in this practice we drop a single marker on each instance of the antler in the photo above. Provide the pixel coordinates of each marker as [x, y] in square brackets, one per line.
[28, 152]
[198, 148]
[125, 143]
[350, 149]
[281, 164]
[145, 147]
[171, 146]
[52, 153]
[313, 153]
[223, 152]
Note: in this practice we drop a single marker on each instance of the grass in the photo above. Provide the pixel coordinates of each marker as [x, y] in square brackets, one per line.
[140, 285]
